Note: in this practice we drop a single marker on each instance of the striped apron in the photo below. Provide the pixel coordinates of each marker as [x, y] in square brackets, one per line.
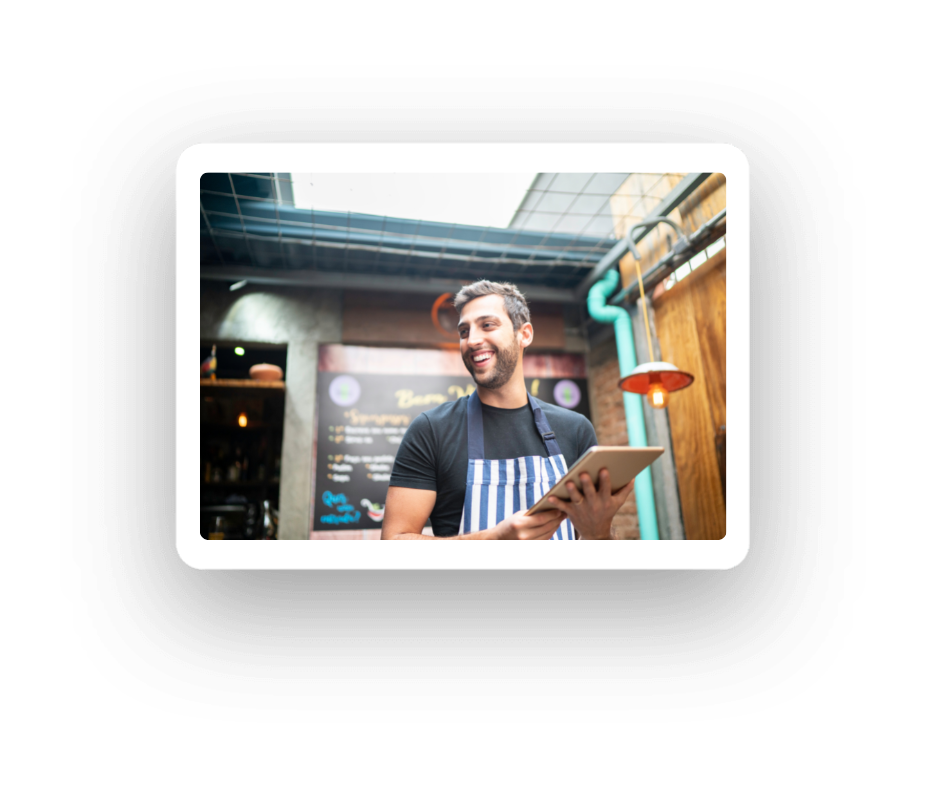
[497, 489]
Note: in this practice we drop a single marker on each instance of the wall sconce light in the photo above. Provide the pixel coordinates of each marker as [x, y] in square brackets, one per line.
[655, 379]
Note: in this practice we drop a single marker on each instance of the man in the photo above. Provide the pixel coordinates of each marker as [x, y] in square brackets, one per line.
[476, 465]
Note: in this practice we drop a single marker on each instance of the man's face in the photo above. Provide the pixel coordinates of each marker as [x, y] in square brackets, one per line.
[488, 345]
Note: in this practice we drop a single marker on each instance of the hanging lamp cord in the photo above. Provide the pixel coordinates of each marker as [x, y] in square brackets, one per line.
[646, 318]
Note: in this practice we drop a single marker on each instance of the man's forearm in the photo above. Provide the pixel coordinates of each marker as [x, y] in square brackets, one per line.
[602, 533]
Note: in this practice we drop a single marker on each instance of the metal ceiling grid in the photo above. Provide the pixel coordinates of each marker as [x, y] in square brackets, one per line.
[576, 203]
[581, 203]
[247, 219]
[566, 202]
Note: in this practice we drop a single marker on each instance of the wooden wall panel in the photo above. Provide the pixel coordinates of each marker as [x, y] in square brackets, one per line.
[690, 323]
[364, 325]
[378, 360]
[404, 320]
[425, 361]
[708, 297]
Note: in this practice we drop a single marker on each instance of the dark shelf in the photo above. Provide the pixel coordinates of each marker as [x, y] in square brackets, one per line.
[241, 383]
[240, 389]
[224, 442]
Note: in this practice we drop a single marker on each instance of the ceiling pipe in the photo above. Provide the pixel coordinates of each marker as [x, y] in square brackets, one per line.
[681, 244]
[386, 282]
[669, 262]
[670, 202]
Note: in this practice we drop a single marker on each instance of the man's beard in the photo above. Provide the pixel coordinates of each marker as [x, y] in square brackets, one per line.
[503, 369]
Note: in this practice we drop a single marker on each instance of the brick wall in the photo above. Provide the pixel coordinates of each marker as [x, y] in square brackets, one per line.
[610, 423]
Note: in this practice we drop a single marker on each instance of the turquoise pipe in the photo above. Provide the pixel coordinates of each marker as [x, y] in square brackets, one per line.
[602, 312]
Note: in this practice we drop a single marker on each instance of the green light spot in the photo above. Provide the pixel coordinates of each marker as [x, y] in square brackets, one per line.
[239, 351]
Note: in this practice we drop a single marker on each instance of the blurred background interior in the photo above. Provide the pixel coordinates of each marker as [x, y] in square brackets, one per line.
[326, 326]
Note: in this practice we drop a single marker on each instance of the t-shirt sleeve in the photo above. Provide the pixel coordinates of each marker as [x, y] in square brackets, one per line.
[586, 436]
[416, 462]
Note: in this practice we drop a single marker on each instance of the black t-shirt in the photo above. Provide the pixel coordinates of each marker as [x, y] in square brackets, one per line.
[433, 454]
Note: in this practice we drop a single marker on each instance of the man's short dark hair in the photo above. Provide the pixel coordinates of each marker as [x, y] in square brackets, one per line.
[513, 300]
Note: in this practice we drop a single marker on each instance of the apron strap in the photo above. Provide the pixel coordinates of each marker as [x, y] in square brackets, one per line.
[543, 427]
[475, 427]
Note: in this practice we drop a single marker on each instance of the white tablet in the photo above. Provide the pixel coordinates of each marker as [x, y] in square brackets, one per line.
[622, 462]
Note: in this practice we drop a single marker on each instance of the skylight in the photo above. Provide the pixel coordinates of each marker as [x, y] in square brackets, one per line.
[484, 199]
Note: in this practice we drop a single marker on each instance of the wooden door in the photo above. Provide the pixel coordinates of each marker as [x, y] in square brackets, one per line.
[690, 324]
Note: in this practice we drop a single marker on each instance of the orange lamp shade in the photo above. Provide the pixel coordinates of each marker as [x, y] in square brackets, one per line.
[656, 380]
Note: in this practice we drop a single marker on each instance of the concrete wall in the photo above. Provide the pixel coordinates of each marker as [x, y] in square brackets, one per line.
[301, 318]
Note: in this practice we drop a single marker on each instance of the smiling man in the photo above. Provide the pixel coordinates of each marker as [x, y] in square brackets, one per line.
[476, 465]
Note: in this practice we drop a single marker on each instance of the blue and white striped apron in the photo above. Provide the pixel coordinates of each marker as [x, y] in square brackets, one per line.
[497, 489]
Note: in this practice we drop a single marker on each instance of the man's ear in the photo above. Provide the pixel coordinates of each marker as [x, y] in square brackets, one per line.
[526, 335]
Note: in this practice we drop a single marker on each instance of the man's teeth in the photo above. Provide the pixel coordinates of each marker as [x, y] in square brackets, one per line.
[482, 357]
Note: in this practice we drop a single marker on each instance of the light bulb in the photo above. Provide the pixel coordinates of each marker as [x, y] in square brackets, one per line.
[657, 396]
[242, 419]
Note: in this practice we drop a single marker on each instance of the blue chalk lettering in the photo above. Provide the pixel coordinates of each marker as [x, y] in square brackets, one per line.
[329, 499]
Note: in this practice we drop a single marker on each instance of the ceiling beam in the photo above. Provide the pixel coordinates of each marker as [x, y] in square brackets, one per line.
[343, 281]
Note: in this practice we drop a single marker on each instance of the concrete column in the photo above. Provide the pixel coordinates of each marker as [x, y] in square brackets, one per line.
[297, 447]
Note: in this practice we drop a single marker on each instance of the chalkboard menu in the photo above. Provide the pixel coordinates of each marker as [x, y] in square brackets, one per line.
[361, 419]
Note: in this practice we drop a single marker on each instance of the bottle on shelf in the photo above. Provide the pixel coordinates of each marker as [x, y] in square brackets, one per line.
[270, 521]
[235, 469]
[209, 365]
[252, 530]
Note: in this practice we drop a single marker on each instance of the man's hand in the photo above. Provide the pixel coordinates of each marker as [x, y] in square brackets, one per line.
[592, 511]
[540, 525]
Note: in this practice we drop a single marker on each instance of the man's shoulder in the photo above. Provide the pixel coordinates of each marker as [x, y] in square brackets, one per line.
[446, 411]
[439, 421]
[569, 418]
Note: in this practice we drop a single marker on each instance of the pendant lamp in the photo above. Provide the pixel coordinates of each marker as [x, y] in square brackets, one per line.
[655, 379]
